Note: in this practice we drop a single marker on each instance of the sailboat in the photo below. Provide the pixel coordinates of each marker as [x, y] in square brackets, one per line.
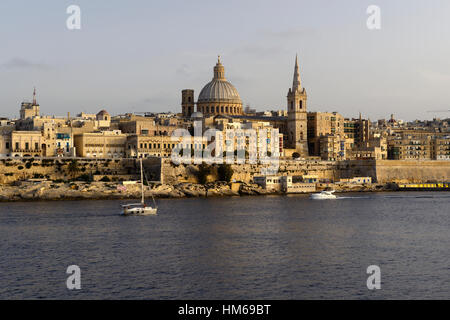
[140, 208]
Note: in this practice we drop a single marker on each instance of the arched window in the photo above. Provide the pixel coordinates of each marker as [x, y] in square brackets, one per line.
[301, 104]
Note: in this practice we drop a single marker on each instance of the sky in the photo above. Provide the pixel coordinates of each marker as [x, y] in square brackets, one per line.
[137, 56]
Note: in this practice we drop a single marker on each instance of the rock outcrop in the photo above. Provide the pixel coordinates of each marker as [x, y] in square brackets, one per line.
[47, 190]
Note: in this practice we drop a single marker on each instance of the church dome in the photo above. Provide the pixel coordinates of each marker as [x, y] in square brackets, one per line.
[219, 90]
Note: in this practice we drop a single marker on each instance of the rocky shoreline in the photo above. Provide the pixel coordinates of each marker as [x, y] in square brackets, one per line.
[47, 190]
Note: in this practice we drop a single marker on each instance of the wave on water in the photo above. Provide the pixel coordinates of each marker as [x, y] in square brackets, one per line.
[350, 197]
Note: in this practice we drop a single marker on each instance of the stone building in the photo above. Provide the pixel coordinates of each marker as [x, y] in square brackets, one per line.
[440, 148]
[332, 147]
[409, 145]
[284, 184]
[27, 144]
[29, 109]
[5, 141]
[234, 137]
[145, 126]
[105, 144]
[103, 119]
[321, 124]
[144, 146]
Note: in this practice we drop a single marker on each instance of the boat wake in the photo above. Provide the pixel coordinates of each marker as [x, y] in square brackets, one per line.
[394, 197]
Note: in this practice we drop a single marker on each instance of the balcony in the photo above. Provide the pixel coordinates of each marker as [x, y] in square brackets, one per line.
[26, 150]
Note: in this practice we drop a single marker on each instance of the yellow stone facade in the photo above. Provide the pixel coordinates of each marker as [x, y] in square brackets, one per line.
[106, 144]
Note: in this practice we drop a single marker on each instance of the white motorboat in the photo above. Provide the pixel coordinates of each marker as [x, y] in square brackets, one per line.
[141, 208]
[323, 195]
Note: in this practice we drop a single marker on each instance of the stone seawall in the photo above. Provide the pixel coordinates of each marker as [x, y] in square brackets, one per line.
[166, 172]
[381, 171]
[172, 174]
[402, 171]
[18, 169]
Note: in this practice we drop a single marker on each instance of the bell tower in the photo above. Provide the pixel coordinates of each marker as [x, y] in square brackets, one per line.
[297, 116]
[187, 102]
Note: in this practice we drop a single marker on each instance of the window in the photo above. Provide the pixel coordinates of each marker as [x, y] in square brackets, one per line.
[7, 145]
[27, 146]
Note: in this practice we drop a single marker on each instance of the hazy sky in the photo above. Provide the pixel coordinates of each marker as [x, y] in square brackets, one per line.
[135, 56]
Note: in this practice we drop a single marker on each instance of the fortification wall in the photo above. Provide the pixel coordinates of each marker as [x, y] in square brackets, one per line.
[381, 171]
[172, 174]
[162, 169]
[403, 171]
[16, 169]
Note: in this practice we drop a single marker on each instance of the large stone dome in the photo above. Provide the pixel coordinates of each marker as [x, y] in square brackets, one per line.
[219, 96]
[219, 90]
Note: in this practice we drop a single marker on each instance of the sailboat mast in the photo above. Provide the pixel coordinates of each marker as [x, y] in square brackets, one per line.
[142, 182]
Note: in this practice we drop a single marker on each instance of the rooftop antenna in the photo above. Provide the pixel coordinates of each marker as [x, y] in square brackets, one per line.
[34, 96]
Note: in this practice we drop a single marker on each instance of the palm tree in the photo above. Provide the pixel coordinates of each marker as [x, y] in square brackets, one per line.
[73, 168]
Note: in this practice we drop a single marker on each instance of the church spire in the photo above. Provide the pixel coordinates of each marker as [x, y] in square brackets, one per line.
[296, 83]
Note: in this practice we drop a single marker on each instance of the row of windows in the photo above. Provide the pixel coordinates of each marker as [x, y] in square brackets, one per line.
[155, 146]
[27, 146]
[165, 146]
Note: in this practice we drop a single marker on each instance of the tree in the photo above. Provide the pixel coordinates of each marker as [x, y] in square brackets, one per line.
[73, 168]
[225, 172]
[296, 155]
[203, 171]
